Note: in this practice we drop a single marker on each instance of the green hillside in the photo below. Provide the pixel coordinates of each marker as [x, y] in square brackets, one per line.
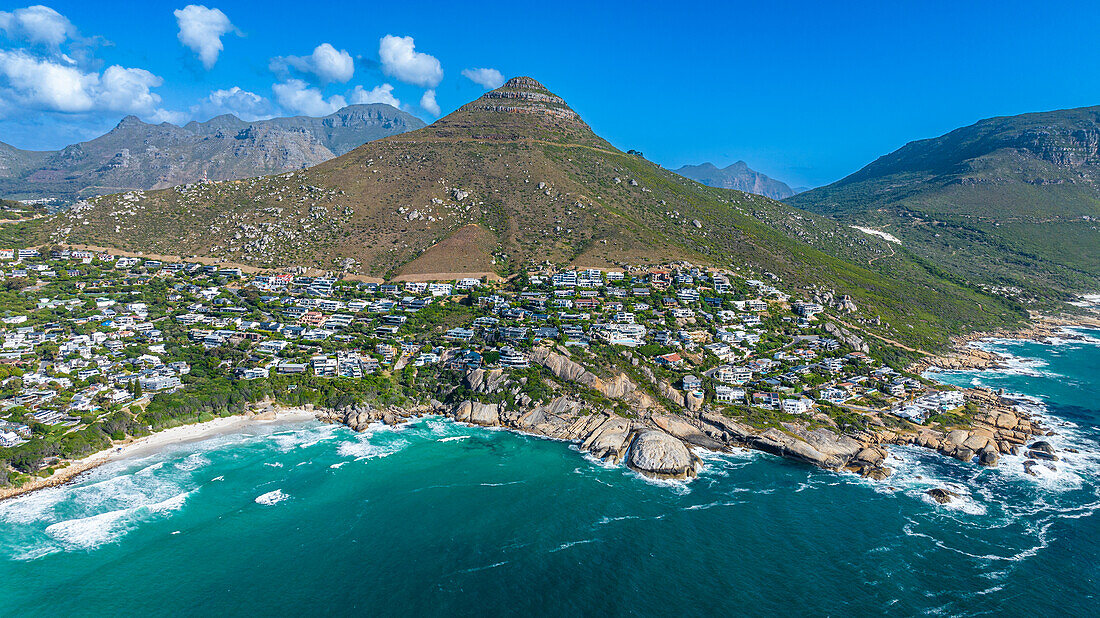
[1008, 202]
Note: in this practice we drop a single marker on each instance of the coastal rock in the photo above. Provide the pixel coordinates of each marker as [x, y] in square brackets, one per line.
[618, 387]
[485, 414]
[956, 437]
[684, 430]
[871, 455]
[963, 454]
[482, 381]
[978, 440]
[1042, 455]
[1029, 467]
[658, 454]
[988, 456]
[1042, 446]
[673, 395]
[778, 443]
[941, 495]
[608, 440]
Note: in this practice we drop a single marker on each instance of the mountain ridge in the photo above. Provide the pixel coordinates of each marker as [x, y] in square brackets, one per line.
[738, 176]
[139, 155]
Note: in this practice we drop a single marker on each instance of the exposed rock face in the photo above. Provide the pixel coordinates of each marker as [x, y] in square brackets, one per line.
[476, 413]
[619, 387]
[523, 95]
[659, 454]
[846, 337]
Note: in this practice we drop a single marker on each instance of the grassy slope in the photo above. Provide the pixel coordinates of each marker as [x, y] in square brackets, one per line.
[1007, 201]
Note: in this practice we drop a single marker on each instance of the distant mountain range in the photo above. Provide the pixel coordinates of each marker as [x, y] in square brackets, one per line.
[138, 155]
[737, 176]
[1010, 201]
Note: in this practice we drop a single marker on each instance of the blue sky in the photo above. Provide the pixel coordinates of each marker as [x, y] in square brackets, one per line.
[807, 92]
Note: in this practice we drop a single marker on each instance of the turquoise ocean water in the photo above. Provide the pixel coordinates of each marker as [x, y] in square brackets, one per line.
[435, 518]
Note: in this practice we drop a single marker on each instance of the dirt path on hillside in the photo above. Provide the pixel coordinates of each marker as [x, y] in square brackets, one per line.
[881, 338]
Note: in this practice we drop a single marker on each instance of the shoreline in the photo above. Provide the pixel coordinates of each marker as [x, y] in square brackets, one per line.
[964, 356]
[136, 447]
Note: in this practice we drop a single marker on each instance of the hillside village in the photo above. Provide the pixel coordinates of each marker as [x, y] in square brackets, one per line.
[95, 339]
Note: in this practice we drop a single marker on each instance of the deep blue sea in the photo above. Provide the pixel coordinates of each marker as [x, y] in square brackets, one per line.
[436, 518]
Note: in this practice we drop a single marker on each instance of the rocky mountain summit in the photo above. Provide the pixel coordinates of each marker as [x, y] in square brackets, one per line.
[138, 155]
[736, 176]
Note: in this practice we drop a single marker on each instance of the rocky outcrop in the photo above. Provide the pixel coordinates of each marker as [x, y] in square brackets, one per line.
[658, 454]
[943, 496]
[476, 413]
[658, 442]
[968, 358]
[846, 337]
[360, 417]
[618, 387]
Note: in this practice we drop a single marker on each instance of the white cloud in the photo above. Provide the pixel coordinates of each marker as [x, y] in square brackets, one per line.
[128, 89]
[378, 94]
[37, 24]
[427, 102]
[326, 62]
[241, 103]
[43, 84]
[162, 115]
[296, 96]
[487, 78]
[201, 30]
[401, 61]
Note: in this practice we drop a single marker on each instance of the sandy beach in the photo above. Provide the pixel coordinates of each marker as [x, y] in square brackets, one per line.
[150, 444]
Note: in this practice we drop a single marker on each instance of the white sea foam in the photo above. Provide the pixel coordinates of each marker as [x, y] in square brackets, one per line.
[678, 487]
[452, 438]
[93, 531]
[271, 498]
[305, 437]
[709, 505]
[569, 544]
[361, 449]
[192, 462]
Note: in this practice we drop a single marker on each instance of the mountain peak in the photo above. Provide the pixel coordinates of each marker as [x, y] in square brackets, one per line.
[524, 95]
[130, 121]
[521, 109]
[522, 81]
